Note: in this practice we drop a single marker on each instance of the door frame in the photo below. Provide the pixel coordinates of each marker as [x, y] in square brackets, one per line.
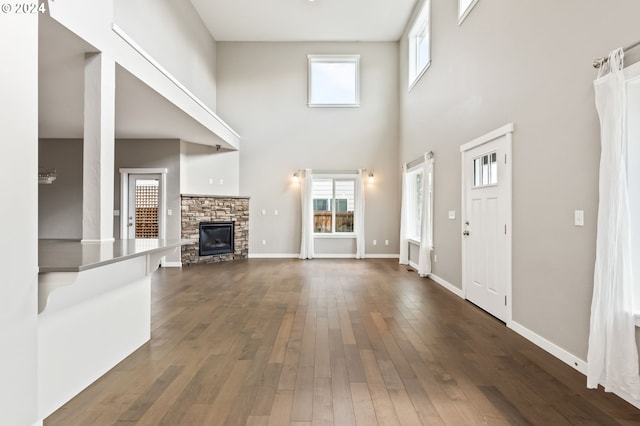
[507, 132]
[124, 199]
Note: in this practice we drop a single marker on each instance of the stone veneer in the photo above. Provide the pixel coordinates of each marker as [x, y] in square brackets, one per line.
[212, 208]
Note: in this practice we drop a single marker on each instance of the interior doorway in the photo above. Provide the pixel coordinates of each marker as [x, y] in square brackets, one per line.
[142, 203]
[486, 222]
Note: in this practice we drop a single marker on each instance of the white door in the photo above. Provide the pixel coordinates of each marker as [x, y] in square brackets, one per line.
[486, 232]
[143, 216]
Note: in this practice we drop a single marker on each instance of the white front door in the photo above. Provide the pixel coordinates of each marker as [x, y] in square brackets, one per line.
[486, 225]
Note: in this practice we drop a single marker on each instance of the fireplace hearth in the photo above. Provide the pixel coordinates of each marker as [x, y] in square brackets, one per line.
[216, 238]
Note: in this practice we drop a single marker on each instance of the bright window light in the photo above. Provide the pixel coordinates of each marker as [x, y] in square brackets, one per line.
[420, 44]
[333, 81]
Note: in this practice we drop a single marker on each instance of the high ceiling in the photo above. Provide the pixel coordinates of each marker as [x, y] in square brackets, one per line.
[305, 20]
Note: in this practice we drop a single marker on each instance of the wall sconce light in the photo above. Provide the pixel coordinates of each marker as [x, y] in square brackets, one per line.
[371, 178]
[296, 177]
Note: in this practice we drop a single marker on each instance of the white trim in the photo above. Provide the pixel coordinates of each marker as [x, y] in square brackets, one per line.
[462, 16]
[444, 283]
[421, 21]
[487, 137]
[172, 264]
[342, 58]
[507, 132]
[637, 319]
[335, 235]
[555, 350]
[413, 265]
[273, 255]
[334, 256]
[382, 256]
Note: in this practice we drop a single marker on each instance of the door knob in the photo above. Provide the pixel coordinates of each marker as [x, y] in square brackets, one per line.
[465, 233]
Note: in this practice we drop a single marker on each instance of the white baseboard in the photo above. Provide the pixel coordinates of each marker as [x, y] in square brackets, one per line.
[555, 350]
[172, 265]
[319, 256]
[273, 255]
[453, 289]
[334, 256]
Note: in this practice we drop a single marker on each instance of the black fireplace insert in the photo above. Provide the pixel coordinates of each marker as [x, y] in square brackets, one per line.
[216, 238]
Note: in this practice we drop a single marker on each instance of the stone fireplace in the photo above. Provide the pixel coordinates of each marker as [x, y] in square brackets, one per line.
[219, 224]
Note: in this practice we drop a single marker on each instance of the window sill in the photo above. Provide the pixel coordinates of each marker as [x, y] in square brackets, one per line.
[335, 235]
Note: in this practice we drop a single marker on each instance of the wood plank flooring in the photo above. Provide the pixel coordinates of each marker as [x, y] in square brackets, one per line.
[331, 342]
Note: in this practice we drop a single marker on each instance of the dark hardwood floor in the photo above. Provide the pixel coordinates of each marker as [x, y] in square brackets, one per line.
[322, 342]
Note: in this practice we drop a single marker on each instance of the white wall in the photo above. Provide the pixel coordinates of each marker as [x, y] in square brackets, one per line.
[206, 171]
[528, 63]
[175, 36]
[18, 218]
[262, 93]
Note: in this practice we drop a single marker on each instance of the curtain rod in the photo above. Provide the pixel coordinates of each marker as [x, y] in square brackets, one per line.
[416, 161]
[597, 63]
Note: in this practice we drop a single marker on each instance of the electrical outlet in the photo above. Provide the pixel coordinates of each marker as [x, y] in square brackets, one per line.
[578, 218]
[264, 242]
[386, 242]
[264, 212]
[435, 258]
[169, 212]
[210, 181]
[116, 212]
[275, 212]
[221, 181]
[375, 242]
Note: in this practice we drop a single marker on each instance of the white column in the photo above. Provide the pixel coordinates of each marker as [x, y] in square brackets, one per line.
[99, 148]
[18, 216]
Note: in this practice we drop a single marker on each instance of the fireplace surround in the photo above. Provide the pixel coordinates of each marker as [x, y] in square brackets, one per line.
[197, 209]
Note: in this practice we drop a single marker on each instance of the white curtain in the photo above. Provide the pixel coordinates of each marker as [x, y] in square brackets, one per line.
[306, 215]
[426, 231]
[404, 208]
[359, 215]
[612, 354]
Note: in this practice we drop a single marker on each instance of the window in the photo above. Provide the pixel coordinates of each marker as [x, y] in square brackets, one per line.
[415, 181]
[485, 170]
[333, 205]
[334, 81]
[464, 7]
[419, 44]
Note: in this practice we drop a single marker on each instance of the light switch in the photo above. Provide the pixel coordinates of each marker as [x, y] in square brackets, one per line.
[452, 214]
[275, 212]
[264, 212]
[578, 219]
